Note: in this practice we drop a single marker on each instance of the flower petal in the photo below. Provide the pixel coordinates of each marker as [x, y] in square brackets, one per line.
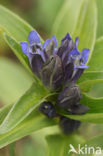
[46, 43]
[24, 47]
[68, 72]
[79, 109]
[67, 37]
[77, 74]
[81, 67]
[54, 39]
[76, 42]
[74, 52]
[33, 37]
[36, 64]
[85, 54]
[41, 53]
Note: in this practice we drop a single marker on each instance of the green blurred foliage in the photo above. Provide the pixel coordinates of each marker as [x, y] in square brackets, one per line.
[39, 13]
[100, 18]
[14, 80]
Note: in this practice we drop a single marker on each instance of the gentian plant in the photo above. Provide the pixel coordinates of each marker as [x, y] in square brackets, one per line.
[66, 72]
[58, 69]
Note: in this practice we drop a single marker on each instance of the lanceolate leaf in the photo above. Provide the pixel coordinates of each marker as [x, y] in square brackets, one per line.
[88, 118]
[95, 70]
[14, 25]
[48, 11]
[91, 75]
[67, 18]
[3, 112]
[95, 104]
[100, 18]
[15, 46]
[86, 26]
[35, 121]
[87, 85]
[93, 88]
[25, 105]
[96, 61]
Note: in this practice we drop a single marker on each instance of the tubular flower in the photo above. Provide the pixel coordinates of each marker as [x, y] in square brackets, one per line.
[58, 68]
[55, 66]
[48, 109]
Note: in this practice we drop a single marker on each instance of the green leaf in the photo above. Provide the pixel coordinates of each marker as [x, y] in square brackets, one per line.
[35, 121]
[79, 18]
[93, 88]
[24, 106]
[14, 80]
[96, 90]
[95, 71]
[95, 142]
[3, 112]
[96, 61]
[91, 75]
[60, 145]
[48, 11]
[17, 30]
[86, 26]
[100, 18]
[15, 46]
[55, 145]
[14, 25]
[87, 85]
[67, 18]
[95, 104]
[88, 118]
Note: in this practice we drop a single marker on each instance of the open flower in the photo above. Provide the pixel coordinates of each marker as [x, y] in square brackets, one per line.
[55, 66]
[36, 48]
[73, 60]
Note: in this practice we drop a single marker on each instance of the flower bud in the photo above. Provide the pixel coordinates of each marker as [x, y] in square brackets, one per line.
[52, 73]
[48, 109]
[36, 64]
[69, 97]
[68, 125]
[78, 109]
[50, 48]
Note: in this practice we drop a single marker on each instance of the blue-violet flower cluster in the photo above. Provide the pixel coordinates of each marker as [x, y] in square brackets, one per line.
[58, 68]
